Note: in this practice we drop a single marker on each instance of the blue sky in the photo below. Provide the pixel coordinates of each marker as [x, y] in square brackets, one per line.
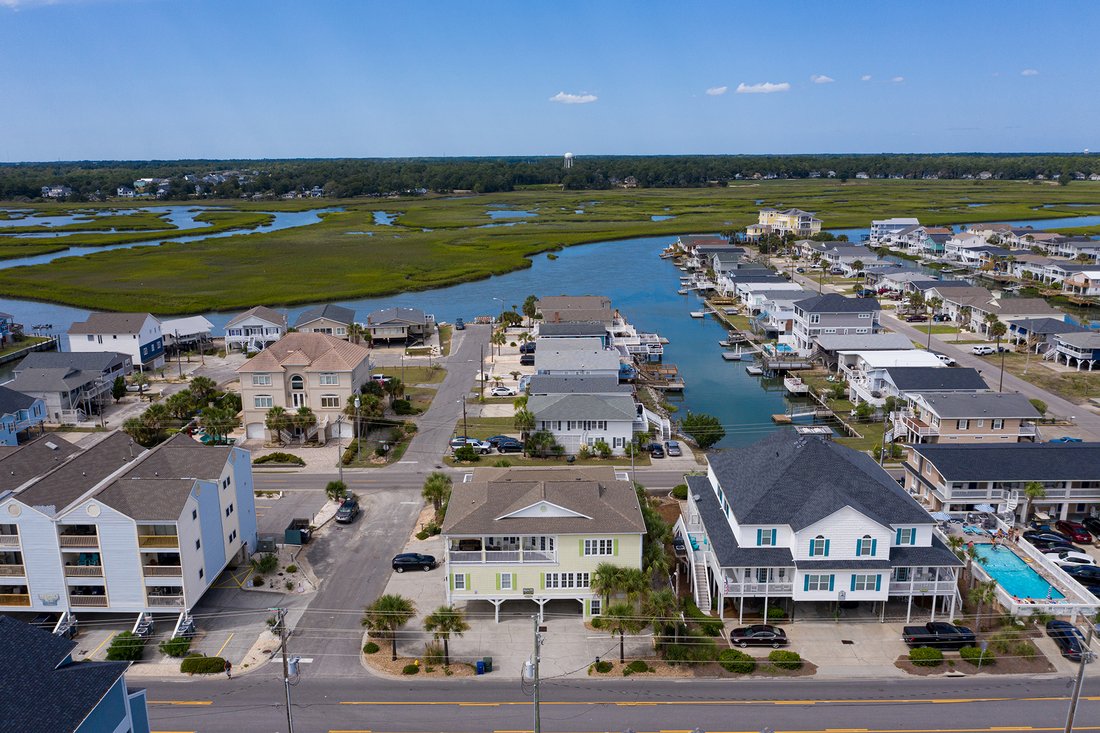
[140, 79]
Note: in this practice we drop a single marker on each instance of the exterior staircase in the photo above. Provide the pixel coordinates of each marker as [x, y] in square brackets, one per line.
[702, 587]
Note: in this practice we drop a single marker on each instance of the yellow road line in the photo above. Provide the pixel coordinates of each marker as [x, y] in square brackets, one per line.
[180, 702]
[101, 644]
[223, 646]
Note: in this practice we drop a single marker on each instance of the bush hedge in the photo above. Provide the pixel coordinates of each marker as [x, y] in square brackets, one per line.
[403, 407]
[776, 614]
[680, 491]
[691, 647]
[279, 457]
[176, 647]
[926, 656]
[635, 667]
[707, 624]
[603, 666]
[126, 647]
[410, 669]
[202, 665]
[370, 648]
[784, 659]
[467, 454]
[974, 654]
[736, 661]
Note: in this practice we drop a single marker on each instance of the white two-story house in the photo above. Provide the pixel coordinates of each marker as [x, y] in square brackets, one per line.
[795, 519]
[255, 329]
[138, 335]
[831, 314]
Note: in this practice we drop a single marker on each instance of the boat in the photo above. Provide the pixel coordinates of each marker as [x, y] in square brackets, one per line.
[683, 291]
[697, 314]
[754, 369]
[795, 385]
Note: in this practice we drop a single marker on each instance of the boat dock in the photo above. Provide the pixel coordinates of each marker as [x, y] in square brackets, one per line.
[664, 377]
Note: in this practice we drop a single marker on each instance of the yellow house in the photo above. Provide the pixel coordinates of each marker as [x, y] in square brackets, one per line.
[537, 535]
[792, 221]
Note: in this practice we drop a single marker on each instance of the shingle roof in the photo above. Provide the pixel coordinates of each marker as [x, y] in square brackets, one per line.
[100, 361]
[914, 555]
[148, 499]
[577, 384]
[1047, 326]
[579, 328]
[413, 316]
[561, 354]
[582, 407]
[564, 308]
[187, 326]
[606, 505]
[1022, 306]
[834, 303]
[38, 691]
[316, 350]
[33, 459]
[917, 379]
[1082, 340]
[794, 480]
[332, 312]
[260, 311]
[728, 553]
[979, 404]
[1014, 461]
[864, 342]
[12, 401]
[110, 323]
[61, 379]
[68, 482]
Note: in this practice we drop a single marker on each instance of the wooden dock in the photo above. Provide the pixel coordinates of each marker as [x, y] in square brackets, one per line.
[663, 377]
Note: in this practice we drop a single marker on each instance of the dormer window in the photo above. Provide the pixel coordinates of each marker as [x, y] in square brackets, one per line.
[819, 547]
[765, 537]
[866, 546]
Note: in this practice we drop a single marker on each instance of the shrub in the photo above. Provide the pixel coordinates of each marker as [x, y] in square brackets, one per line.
[603, 666]
[289, 584]
[202, 665]
[680, 491]
[403, 407]
[708, 625]
[926, 656]
[602, 449]
[433, 653]
[467, 454]
[265, 563]
[422, 534]
[380, 451]
[584, 453]
[502, 463]
[292, 568]
[636, 667]
[279, 457]
[257, 581]
[692, 647]
[776, 614]
[126, 647]
[973, 654]
[736, 661]
[597, 622]
[176, 647]
[410, 669]
[784, 659]
[370, 648]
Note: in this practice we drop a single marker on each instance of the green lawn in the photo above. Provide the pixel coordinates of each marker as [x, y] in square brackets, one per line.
[415, 374]
[294, 265]
[1074, 386]
[445, 334]
[20, 345]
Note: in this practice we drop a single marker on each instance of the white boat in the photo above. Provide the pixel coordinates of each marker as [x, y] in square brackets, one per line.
[754, 370]
[795, 385]
[697, 314]
[683, 291]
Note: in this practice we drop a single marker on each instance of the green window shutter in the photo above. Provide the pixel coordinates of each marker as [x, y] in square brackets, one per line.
[580, 547]
[853, 582]
[542, 581]
[513, 581]
[805, 582]
[467, 581]
[831, 578]
[452, 579]
[759, 537]
[897, 537]
[498, 581]
[878, 582]
[587, 607]
[874, 548]
[827, 550]
[615, 547]
[913, 536]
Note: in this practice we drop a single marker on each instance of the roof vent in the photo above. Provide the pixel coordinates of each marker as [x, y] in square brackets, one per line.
[51, 445]
[696, 497]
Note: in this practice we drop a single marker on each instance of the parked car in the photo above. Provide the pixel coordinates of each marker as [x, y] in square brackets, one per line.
[1048, 536]
[527, 360]
[655, 450]
[866, 293]
[800, 270]
[1092, 524]
[947, 360]
[481, 446]
[759, 635]
[380, 378]
[1069, 558]
[983, 350]
[510, 445]
[413, 561]
[495, 440]
[1075, 530]
[1069, 640]
[348, 511]
[939, 634]
[836, 271]
[503, 392]
[672, 448]
[460, 325]
[1088, 574]
[458, 441]
[527, 348]
[916, 318]
[1066, 439]
[1048, 547]
[679, 546]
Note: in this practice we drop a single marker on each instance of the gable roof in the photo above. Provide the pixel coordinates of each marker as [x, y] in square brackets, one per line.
[413, 316]
[1013, 461]
[1082, 340]
[318, 351]
[864, 342]
[110, 323]
[574, 328]
[600, 503]
[12, 402]
[336, 313]
[1047, 326]
[41, 690]
[97, 361]
[979, 404]
[188, 326]
[582, 407]
[918, 379]
[262, 312]
[35, 458]
[577, 384]
[835, 303]
[793, 480]
[69, 481]
[563, 308]
[54, 379]
[721, 538]
[1022, 306]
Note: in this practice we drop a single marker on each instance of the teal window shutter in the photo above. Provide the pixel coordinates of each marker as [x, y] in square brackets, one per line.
[831, 578]
[897, 537]
[874, 548]
[827, 551]
[853, 582]
[759, 537]
[878, 582]
[805, 582]
[913, 536]
[774, 532]
[859, 547]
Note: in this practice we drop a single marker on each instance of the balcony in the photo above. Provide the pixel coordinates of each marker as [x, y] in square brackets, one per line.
[9, 540]
[87, 601]
[166, 601]
[162, 571]
[158, 540]
[908, 421]
[524, 557]
[10, 571]
[79, 540]
[15, 599]
[83, 571]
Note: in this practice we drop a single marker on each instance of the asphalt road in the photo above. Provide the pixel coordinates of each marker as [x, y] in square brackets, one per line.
[938, 705]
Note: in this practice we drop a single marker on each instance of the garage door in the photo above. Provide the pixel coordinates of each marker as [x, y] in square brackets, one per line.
[255, 431]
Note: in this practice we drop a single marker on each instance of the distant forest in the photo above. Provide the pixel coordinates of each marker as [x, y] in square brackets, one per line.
[378, 177]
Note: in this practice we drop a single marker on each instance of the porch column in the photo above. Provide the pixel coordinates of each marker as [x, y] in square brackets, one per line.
[741, 610]
[496, 609]
[932, 617]
[951, 612]
[882, 615]
[909, 606]
[541, 602]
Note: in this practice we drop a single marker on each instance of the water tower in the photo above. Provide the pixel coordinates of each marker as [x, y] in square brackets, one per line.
[568, 160]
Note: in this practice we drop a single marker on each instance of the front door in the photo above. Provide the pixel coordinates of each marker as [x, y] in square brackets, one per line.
[298, 399]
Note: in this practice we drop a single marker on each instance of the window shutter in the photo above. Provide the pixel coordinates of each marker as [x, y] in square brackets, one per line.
[831, 578]
[805, 582]
[774, 531]
[614, 547]
[859, 547]
[542, 581]
[878, 582]
[827, 551]
[759, 537]
[452, 579]
[580, 544]
[513, 581]
[467, 581]
[853, 582]
[897, 536]
[587, 606]
[498, 581]
[874, 548]
[913, 536]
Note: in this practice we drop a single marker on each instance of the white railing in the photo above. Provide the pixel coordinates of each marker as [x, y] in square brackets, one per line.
[162, 571]
[12, 570]
[503, 556]
[88, 601]
[84, 571]
[9, 540]
[165, 601]
[79, 540]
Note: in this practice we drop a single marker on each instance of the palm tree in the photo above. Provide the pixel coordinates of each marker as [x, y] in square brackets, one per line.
[970, 555]
[621, 619]
[437, 490]
[395, 388]
[933, 304]
[355, 332]
[141, 379]
[634, 583]
[387, 615]
[982, 595]
[203, 389]
[607, 580]
[997, 330]
[498, 339]
[218, 423]
[1033, 490]
[443, 622]
[857, 267]
[524, 421]
[277, 420]
[662, 608]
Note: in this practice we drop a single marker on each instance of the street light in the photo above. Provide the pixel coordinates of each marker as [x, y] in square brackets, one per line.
[358, 430]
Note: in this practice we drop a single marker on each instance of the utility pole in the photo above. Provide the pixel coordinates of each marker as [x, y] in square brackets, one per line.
[281, 615]
[535, 665]
[1086, 654]
[179, 363]
[339, 453]
[465, 430]
[481, 375]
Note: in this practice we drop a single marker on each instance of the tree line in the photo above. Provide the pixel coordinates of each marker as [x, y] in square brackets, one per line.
[340, 178]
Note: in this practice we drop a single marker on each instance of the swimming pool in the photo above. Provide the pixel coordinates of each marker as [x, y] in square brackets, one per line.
[1013, 574]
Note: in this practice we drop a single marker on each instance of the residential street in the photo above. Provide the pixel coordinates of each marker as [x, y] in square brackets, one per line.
[496, 703]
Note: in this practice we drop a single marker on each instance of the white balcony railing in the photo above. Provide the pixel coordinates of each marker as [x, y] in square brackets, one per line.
[9, 540]
[79, 540]
[461, 557]
[12, 571]
[84, 571]
[162, 571]
[165, 601]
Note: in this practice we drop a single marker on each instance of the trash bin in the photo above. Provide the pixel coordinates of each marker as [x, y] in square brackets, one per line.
[488, 662]
[481, 666]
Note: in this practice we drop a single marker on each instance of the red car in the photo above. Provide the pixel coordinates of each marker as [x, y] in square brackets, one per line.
[1075, 530]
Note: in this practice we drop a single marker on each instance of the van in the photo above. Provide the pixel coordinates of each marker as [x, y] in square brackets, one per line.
[460, 325]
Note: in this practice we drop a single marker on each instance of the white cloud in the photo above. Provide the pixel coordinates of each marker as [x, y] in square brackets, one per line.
[821, 79]
[865, 77]
[565, 98]
[1029, 72]
[717, 91]
[765, 87]
[898, 79]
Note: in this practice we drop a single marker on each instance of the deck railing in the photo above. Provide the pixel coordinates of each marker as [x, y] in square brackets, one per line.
[162, 571]
[158, 540]
[84, 571]
[166, 601]
[9, 540]
[88, 601]
[79, 540]
[12, 570]
[15, 599]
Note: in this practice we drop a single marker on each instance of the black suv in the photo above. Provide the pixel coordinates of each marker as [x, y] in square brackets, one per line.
[655, 450]
[413, 561]
[348, 511]
[510, 445]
